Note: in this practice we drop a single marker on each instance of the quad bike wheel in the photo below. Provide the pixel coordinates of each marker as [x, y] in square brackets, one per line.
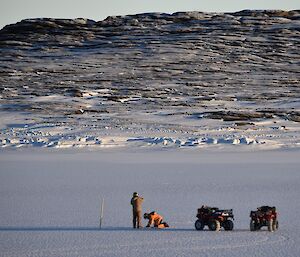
[228, 225]
[270, 225]
[275, 225]
[214, 225]
[199, 225]
[253, 225]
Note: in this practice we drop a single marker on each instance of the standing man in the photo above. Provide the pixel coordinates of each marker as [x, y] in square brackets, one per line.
[136, 202]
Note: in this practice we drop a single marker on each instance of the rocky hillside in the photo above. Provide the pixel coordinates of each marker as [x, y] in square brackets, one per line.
[185, 72]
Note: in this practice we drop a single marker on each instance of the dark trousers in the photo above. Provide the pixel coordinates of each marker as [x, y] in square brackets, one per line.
[137, 219]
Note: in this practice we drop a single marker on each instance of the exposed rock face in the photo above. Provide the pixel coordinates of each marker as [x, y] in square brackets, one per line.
[219, 64]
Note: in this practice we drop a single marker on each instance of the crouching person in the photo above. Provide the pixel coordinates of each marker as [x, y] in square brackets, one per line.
[156, 220]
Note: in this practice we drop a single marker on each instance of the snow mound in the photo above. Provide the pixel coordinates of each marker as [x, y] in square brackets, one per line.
[92, 141]
[167, 141]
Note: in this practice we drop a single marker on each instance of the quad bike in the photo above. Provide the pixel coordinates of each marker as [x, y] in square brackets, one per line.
[214, 218]
[264, 216]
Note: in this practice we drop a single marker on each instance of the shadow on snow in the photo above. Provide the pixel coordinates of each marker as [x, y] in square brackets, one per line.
[73, 228]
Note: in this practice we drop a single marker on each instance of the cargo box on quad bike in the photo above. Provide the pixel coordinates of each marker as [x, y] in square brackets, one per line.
[264, 216]
[214, 218]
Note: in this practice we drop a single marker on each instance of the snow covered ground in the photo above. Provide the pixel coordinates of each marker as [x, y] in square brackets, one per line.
[50, 201]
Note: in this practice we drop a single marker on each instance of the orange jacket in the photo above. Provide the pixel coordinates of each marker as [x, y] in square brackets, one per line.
[154, 218]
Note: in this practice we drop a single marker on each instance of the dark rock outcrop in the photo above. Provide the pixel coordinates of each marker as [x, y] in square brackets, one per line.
[153, 61]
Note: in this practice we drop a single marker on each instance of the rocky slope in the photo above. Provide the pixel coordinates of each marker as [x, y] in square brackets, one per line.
[189, 74]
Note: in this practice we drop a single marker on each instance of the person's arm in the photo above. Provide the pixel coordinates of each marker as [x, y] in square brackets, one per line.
[151, 220]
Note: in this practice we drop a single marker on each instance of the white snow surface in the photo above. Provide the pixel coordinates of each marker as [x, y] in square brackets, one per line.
[187, 109]
[50, 201]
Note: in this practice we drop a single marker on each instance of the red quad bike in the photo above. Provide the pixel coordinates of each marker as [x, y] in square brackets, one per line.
[214, 218]
[264, 216]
